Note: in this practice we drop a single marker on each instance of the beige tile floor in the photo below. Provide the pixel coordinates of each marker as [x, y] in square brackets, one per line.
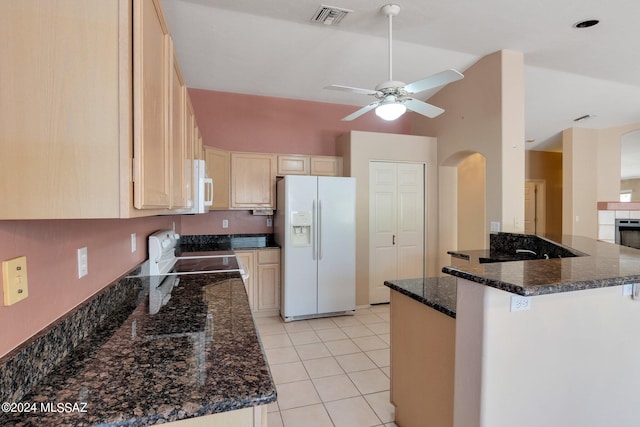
[331, 372]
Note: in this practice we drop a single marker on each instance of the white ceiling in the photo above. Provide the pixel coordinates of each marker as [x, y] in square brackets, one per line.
[271, 48]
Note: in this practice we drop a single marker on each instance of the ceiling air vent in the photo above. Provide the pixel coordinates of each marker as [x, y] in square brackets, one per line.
[329, 15]
[581, 118]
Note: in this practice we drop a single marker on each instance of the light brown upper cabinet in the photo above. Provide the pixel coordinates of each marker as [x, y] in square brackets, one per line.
[181, 151]
[299, 164]
[152, 74]
[253, 179]
[326, 166]
[293, 164]
[84, 125]
[218, 162]
[197, 139]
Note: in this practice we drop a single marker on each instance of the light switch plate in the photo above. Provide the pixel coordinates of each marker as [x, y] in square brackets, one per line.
[133, 242]
[14, 280]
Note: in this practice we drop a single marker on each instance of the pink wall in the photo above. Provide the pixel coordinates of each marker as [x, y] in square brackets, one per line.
[277, 125]
[240, 222]
[230, 121]
[51, 251]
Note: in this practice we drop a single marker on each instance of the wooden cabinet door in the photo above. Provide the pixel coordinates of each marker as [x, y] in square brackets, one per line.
[326, 166]
[198, 140]
[217, 162]
[181, 152]
[63, 82]
[248, 258]
[268, 286]
[191, 127]
[253, 177]
[151, 67]
[292, 164]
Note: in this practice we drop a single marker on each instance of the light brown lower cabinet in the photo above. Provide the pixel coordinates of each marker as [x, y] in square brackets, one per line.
[263, 284]
[247, 417]
[248, 259]
[422, 363]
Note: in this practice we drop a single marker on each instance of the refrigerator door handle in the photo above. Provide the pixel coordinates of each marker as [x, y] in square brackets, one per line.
[319, 229]
[313, 231]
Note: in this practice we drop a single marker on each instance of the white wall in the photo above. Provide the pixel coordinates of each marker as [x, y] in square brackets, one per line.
[357, 149]
[484, 113]
[569, 361]
[591, 174]
[471, 202]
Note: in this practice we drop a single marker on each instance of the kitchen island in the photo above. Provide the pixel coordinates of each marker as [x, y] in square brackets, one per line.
[199, 355]
[545, 341]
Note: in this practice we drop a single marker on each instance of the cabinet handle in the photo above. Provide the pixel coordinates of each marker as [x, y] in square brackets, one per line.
[394, 240]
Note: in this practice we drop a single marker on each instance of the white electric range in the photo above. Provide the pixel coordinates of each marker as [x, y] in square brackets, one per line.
[164, 267]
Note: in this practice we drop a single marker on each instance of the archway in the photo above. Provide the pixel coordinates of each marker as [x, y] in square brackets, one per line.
[630, 166]
[462, 208]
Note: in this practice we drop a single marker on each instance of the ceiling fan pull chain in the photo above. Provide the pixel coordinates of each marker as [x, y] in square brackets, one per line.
[390, 47]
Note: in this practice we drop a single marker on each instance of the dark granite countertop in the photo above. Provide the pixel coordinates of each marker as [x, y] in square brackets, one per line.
[436, 292]
[199, 355]
[601, 265]
[226, 242]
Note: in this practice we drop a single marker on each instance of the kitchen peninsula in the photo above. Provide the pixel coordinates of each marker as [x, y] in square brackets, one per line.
[536, 342]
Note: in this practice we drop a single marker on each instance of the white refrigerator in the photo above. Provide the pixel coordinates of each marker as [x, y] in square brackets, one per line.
[315, 227]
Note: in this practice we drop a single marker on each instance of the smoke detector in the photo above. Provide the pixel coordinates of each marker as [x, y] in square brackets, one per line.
[329, 15]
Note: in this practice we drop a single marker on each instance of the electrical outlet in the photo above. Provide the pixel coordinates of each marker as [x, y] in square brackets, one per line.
[627, 290]
[14, 280]
[495, 226]
[225, 223]
[269, 222]
[83, 262]
[134, 242]
[519, 303]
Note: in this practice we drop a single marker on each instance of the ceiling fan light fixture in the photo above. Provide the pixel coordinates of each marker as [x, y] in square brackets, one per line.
[393, 98]
[390, 110]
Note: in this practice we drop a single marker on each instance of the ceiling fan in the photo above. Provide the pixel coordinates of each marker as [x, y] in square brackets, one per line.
[393, 97]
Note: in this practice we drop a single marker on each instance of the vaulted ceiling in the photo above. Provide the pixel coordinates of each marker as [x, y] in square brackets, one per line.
[272, 48]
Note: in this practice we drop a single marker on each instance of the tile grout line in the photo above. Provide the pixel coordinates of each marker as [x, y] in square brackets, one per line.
[333, 357]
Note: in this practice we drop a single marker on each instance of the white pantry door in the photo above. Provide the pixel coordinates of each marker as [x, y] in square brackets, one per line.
[396, 225]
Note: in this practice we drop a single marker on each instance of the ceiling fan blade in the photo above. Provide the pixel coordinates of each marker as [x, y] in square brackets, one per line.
[352, 89]
[360, 112]
[440, 79]
[423, 108]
